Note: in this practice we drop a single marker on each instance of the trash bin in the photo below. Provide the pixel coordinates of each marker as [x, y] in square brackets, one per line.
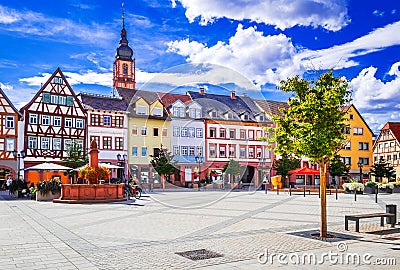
[392, 209]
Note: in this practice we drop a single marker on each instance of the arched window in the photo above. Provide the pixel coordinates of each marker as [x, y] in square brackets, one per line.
[125, 69]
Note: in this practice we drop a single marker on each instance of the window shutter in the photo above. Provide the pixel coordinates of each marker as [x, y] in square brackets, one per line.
[70, 101]
[46, 97]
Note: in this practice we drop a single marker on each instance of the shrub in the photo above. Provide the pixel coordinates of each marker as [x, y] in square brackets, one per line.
[354, 186]
[47, 186]
[388, 185]
[371, 184]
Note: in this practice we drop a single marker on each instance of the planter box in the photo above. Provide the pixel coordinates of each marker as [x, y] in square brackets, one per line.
[370, 190]
[385, 190]
[347, 191]
[47, 197]
[396, 189]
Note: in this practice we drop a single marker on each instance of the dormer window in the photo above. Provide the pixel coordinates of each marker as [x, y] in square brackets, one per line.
[194, 113]
[229, 115]
[157, 111]
[245, 116]
[261, 117]
[140, 110]
[179, 112]
[213, 114]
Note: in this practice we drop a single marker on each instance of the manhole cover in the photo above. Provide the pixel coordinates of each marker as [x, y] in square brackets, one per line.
[200, 254]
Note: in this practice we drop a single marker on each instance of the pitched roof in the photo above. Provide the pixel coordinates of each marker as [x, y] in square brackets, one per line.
[126, 94]
[101, 102]
[168, 99]
[272, 107]
[394, 127]
[150, 97]
[9, 102]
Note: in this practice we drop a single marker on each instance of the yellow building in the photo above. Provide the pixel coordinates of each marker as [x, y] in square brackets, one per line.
[149, 128]
[357, 152]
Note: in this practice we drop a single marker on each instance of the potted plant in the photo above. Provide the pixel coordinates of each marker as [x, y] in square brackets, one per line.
[386, 187]
[370, 187]
[48, 190]
[353, 186]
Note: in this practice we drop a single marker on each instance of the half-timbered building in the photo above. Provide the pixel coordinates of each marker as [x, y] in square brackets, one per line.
[53, 120]
[9, 117]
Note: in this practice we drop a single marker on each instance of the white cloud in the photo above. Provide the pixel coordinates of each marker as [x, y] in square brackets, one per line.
[329, 14]
[263, 59]
[5, 87]
[37, 24]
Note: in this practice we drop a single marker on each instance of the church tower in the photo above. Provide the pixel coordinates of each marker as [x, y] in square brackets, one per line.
[124, 65]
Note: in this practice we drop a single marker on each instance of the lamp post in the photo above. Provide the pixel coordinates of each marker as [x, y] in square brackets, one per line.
[18, 156]
[122, 159]
[199, 159]
[360, 165]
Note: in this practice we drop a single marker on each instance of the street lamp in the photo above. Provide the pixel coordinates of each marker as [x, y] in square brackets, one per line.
[122, 159]
[360, 165]
[199, 159]
[18, 156]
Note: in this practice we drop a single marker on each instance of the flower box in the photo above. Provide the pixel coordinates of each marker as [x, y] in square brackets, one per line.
[370, 189]
[47, 196]
[396, 189]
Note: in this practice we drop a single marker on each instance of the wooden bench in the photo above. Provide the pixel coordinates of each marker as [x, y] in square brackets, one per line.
[357, 218]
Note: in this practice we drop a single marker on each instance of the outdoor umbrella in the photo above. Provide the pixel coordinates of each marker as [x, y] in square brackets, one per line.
[48, 166]
[304, 171]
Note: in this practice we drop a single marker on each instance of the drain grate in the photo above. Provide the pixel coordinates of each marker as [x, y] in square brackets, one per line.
[199, 254]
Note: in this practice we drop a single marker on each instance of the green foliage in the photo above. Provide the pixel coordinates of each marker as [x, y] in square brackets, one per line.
[163, 163]
[313, 124]
[76, 157]
[382, 169]
[232, 167]
[371, 184]
[285, 164]
[46, 186]
[337, 167]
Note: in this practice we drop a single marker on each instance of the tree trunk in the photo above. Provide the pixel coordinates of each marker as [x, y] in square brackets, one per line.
[163, 181]
[322, 183]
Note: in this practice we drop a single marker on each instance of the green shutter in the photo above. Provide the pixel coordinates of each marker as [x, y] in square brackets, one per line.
[46, 97]
[70, 101]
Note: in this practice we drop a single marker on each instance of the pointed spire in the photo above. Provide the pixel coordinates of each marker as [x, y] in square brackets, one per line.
[123, 50]
[123, 15]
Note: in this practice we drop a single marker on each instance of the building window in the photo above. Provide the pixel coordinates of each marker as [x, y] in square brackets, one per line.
[67, 144]
[191, 150]
[155, 132]
[199, 151]
[259, 153]
[212, 151]
[251, 135]
[232, 151]
[107, 143]
[243, 134]
[222, 133]
[184, 151]
[358, 131]
[10, 144]
[346, 160]
[134, 151]
[45, 143]
[191, 132]
[176, 132]
[68, 122]
[214, 114]
[107, 120]
[125, 68]
[199, 132]
[363, 146]
[176, 150]
[54, 99]
[346, 130]
[45, 120]
[251, 152]
[351, 117]
[56, 143]
[141, 110]
[192, 113]
[222, 151]
[119, 121]
[79, 143]
[258, 134]
[58, 80]
[232, 134]
[156, 152]
[157, 112]
[119, 143]
[242, 151]
[346, 146]
[57, 121]
[10, 122]
[95, 119]
[364, 161]
[165, 132]
[179, 112]
[144, 151]
[144, 131]
[32, 142]
[213, 133]
[79, 123]
[184, 132]
[33, 118]
[62, 100]
[134, 131]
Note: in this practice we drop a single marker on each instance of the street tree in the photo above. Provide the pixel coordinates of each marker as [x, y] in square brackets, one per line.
[163, 164]
[75, 156]
[337, 167]
[285, 164]
[232, 168]
[313, 124]
[381, 169]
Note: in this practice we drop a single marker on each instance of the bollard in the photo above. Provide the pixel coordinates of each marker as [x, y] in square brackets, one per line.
[304, 190]
[336, 191]
[277, 190]
[290, 190]
[376, 194]
[392, 209]
[266, 189]
[355, 194]
[319, 192]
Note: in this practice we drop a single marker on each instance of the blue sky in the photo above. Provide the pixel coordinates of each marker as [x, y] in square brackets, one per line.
[241, 45]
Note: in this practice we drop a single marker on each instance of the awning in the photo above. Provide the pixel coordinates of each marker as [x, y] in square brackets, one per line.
[304, 170]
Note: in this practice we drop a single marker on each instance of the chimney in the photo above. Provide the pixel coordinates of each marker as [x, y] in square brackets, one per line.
[244, 95]
[201, 90]
[233, 95]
